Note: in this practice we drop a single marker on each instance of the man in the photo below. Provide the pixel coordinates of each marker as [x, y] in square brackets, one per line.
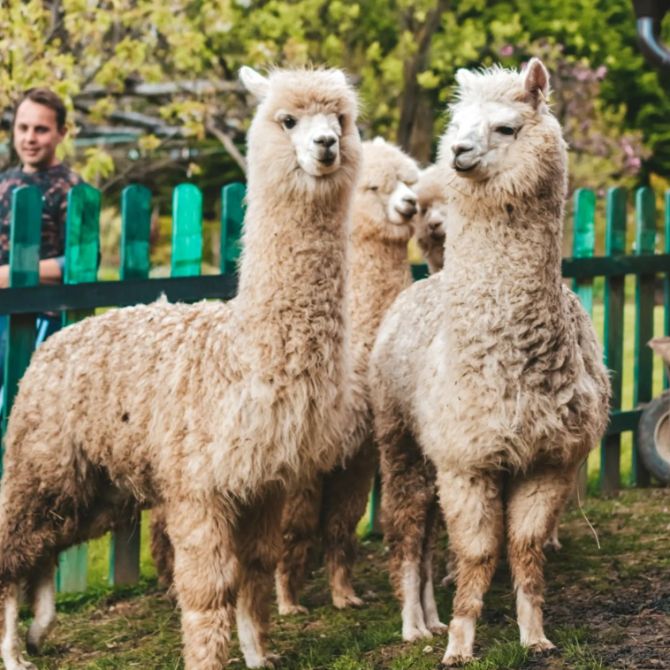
[38, 127]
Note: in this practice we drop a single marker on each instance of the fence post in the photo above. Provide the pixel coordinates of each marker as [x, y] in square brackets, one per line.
[666, 283]
[232, 218]
[186, 231]
[583, 244]
[614, 300]
[645, 243]
[82, 245]
[24, 259]
[124, 548]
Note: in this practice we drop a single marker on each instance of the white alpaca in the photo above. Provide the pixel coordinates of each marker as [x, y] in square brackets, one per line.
[490, 368]
[210, 409]
[430, 222]
[330, 507]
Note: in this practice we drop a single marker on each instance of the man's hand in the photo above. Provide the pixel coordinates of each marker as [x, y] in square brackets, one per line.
[49, 273]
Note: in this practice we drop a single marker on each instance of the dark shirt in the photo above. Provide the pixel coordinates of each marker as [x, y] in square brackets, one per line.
[54, 182]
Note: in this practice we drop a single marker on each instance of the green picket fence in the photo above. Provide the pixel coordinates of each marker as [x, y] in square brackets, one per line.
[81, 294]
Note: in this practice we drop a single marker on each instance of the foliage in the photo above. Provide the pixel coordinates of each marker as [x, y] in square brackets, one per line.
[105, 57]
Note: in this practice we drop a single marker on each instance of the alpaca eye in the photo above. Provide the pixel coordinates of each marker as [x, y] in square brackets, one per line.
[505, 130]
[373, 188]
[289, 122]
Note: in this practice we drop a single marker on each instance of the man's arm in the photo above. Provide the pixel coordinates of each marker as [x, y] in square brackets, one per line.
[50, 272]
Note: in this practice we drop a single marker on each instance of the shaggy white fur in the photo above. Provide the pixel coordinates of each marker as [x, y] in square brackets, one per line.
[490, 368]
[330, 507]
[207, 409]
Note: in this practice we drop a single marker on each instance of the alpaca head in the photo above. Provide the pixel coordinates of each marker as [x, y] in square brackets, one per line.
[385, 191]
[501, 130]
[430, 223]
[304, 131]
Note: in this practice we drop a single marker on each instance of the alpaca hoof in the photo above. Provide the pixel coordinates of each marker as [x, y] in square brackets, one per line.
[554, 544]
[414, 633]
[267, 661]
[542, 646]
[292, 609]
[453, 660]
[438, 628]
[341, 602]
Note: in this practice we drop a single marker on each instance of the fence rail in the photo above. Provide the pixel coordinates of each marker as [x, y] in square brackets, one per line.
[81, 294]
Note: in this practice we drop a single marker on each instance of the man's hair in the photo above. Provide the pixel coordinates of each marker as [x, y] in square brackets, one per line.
[46, 97]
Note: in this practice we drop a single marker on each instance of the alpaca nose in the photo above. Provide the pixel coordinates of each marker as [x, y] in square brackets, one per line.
[462, 148]
[325, 141]
[410, 204]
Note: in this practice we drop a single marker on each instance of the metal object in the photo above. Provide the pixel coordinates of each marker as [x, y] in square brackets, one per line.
[649, 14]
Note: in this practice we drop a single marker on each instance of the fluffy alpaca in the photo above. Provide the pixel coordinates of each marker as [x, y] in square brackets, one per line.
[430, 221]
[207, 409]
[490, 368]
[331, 505]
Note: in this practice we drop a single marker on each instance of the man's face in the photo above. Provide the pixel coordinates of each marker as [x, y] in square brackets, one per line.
[36, 136]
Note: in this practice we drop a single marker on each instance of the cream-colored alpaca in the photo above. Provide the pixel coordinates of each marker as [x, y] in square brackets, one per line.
[430, 222]
[208, 409]
[490, 368]
[331, 505]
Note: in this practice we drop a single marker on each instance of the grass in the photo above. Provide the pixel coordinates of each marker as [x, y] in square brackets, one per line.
[606, 608]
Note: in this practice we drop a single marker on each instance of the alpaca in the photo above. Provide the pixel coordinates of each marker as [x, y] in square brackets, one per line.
[489, 369]
[218, 406]
[430, 221]
[331, 505]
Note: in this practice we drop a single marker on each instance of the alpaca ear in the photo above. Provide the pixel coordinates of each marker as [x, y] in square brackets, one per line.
[536, 81]
[255, 83]
[464, 78]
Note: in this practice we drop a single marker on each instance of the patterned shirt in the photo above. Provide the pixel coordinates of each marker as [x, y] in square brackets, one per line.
[54, 182]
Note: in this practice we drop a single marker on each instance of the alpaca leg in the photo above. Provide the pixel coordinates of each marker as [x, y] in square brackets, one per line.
[259, 541]
[408, 491]
[430, 613]
[300, 522]
[345, 495]
[11, 644]
[43, 590]
[206, 579]
[473, 509]
[533, 506]
[161, 547]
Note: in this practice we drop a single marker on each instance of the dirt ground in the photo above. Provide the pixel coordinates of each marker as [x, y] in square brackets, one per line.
[607, 607]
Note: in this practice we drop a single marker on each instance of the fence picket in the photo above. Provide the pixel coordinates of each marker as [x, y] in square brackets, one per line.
[645, 242]
[614, 299]
[24, 258]
[583, 246]
[124, 548]
[233, 208]
[82, 245]
[186, 231]
[666, 283]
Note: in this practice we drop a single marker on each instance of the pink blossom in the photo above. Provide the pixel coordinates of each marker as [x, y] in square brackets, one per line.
[507, 50]
[601, 71]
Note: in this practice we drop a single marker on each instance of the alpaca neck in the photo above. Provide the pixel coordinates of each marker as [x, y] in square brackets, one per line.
[293, 275]
[507, 239]
[379, 272]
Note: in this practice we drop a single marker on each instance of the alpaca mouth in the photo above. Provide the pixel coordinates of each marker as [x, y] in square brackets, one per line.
[328, 159]
[467, 168]
[406, 213]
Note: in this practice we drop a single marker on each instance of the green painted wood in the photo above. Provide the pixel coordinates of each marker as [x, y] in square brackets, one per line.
[583, 246]
[186, 231]
[583, 242]
[614, 266]
[233, 208]
[614, 300]
[666, 283]
[645, 242]
[24, 258]
[124, 549]
[82, 248]
[135, 232]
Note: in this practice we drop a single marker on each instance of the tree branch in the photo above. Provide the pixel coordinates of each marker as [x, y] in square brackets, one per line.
[228, 144]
